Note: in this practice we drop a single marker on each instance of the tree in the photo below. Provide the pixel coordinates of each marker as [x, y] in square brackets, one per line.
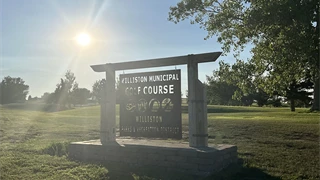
[297, 92]
[70, 84]
[45, 97]
[261, 97]
[237, 84]
[50, 99]
[220, 92]
[247, 100]
[13, 90]
[62, 93]
[80, 96]
[285, 36]
[99, 90]
[275, 100]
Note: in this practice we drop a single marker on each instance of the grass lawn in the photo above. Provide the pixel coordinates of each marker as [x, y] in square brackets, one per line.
[273, 143]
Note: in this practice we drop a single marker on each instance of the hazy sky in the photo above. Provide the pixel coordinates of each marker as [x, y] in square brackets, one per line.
[37, 39]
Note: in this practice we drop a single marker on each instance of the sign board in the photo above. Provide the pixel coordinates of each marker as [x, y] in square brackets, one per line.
[150, 104]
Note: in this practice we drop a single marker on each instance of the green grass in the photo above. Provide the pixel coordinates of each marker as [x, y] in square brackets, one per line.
[273, 143]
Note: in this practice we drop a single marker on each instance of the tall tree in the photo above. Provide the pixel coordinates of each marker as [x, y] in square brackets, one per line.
[13, 90]
[59, 95]
[70, 85]
[285, 35]
[62, 93]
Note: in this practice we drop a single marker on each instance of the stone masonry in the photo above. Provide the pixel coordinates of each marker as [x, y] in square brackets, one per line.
[160, 154]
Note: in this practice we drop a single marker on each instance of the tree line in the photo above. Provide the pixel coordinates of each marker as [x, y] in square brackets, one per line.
[231, 85]
[67, 93]
[235, 85]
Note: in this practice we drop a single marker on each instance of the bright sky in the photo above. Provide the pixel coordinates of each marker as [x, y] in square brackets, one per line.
[37, 39]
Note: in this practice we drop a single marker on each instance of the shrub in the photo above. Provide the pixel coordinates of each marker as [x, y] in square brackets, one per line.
[57, 149]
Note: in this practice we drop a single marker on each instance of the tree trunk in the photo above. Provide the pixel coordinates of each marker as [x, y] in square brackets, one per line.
[316, 96]
[292, 107]
[316, 90]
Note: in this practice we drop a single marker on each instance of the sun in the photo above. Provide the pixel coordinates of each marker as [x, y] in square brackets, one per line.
[83, 39]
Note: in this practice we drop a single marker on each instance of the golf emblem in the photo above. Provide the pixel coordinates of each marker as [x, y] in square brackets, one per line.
[142, 105]
[130, 106]
[167, 104]
[154, 105]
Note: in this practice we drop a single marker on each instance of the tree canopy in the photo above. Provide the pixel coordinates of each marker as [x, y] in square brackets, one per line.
[13, 90]
[284, 33]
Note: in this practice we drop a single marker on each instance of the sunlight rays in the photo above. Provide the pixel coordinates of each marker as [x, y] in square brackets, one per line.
[61, 13]
[79, 49]
[98, 13]
[76, 25]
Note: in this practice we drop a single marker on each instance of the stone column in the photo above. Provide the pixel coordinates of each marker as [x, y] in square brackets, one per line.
[197, 109]
[202, 138]
[108, 110]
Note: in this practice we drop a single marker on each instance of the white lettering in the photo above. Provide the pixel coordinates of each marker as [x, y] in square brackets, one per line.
[171, 89]
[160, 90]
[155, 90]
[165, 89]
[145, 90]
[149, 90]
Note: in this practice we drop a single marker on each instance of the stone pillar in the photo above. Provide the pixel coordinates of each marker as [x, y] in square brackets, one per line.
[197, 109]
[108, 110]
[202, 138]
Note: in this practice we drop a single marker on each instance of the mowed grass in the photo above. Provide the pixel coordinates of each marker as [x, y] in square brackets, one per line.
[273, 143]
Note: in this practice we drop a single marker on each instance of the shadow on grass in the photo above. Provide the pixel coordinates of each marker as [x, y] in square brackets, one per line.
[130, 172]
[241, 172]
[184, 109]
[233, 172]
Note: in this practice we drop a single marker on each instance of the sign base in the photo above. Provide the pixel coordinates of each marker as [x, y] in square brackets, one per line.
[159, 154]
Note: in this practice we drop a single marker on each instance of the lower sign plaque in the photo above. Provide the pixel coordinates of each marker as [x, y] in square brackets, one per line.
[150, 104]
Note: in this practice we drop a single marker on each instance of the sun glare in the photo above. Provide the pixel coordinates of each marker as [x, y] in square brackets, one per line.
[83, 39]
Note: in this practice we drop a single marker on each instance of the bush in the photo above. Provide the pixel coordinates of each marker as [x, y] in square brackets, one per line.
[57, 149]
